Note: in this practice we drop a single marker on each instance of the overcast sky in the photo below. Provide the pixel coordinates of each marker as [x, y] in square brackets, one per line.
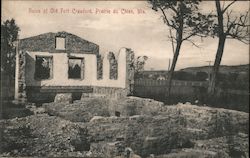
[144, 33]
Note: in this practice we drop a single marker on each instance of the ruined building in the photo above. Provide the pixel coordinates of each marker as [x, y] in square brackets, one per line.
[53, 64]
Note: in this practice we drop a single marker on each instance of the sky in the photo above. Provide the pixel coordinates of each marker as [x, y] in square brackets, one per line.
[116, 24]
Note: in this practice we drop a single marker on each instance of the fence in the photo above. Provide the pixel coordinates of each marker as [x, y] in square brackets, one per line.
[148, 82]
[183, 91]
[156, 89]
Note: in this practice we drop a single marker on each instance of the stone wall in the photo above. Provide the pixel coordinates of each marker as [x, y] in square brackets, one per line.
[46, 43]
[99, 67]
[130, 71]
[118, 84]
[111, 92]
[113, 66]
[20, 85]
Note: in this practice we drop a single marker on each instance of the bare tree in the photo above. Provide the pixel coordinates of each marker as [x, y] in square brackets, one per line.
[185, 22]
[227, 27]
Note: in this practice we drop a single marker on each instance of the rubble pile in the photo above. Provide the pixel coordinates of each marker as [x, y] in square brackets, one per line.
[41, 135]
[9, 110]
[79, 111]
[137, 106]
[207, 122]
[130, 127]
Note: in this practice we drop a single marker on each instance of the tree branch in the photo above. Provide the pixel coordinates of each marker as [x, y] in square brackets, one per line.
[245, 40]
[166, 19]
[239, 29]
[193, 34]
[174, 9]
[223, 11]
[193, 43]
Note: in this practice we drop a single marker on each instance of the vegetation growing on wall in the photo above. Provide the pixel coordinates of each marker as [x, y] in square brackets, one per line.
[113, 73]
[99, 67]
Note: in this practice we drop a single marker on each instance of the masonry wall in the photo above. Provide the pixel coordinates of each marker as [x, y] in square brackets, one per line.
[117, 87]
[20, 80]
[60, 70]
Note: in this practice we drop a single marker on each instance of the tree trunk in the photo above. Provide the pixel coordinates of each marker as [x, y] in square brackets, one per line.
[171, 72]
[220, 49]
[179, 34]
[219, 54]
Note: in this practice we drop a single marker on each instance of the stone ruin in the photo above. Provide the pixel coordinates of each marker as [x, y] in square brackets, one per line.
[106, 75]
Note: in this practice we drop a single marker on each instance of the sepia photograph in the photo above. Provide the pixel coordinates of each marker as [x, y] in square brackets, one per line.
[125, 78]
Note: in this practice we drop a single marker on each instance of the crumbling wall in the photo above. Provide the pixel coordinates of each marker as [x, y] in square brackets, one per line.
[97, 72]
[113, 66]
[130, 71]
[120, 65]
[111, 92]
[20, 87]
[60, 70]
[99, 67]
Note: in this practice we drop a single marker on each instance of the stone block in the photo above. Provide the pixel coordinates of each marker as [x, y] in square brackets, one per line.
[108, 149]
[63, 98]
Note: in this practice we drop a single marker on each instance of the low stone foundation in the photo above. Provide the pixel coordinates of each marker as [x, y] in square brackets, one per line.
[110, 92]
[50, 94]
[63, 98]
[37, 97]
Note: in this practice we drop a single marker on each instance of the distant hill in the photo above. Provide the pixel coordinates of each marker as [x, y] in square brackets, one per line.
[223, 69]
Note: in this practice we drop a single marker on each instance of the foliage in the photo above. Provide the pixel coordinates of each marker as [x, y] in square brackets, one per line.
[139, 63]
[9, 34]
[184, 18]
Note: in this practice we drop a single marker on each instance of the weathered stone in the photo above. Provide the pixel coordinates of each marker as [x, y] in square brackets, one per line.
[130, 71]
[63, 98]
[138, 106]
[85, 95]
[113, 72]
[231, 146]
[172, 131]
[21, 87]
[110, 92]
[108, 149]
[79, 111]
[207, 122]
[193, 153]
[42, 136]
[99, 67]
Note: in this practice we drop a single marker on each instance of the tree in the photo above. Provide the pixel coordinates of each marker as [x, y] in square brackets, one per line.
[227, 27]
[9, 34]
[139, 63]
[185, 22]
